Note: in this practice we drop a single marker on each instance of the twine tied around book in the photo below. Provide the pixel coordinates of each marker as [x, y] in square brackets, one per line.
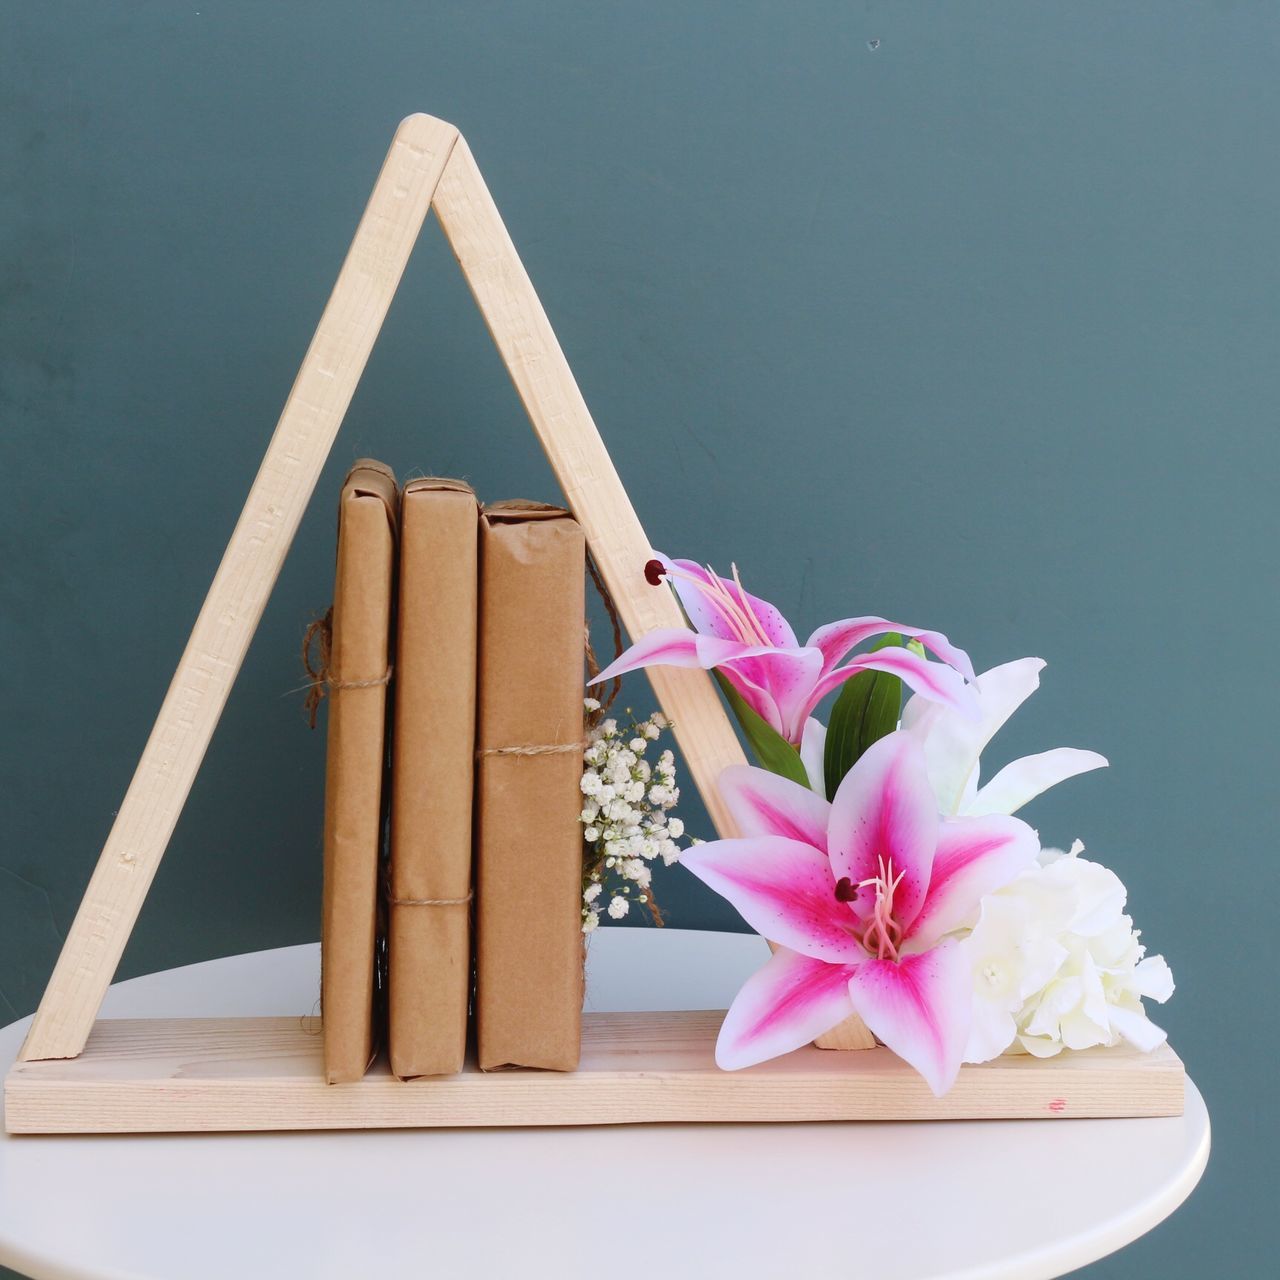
[320, 634]
[391, 900]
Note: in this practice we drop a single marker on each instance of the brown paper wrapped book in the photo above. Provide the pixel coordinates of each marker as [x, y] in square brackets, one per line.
[529, 745]
[357, 672]
[432, 767]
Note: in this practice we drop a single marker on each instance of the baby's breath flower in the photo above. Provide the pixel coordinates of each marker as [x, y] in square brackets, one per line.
[624, 816]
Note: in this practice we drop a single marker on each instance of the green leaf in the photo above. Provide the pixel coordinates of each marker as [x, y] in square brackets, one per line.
[866, 710]
[772, 750]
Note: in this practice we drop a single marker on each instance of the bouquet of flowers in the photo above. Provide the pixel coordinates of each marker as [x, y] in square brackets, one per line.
[891, 882]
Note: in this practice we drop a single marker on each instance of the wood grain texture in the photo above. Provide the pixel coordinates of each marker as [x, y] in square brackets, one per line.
[577, 454]
[852, 1033]
[266, 1073]
[312, 414]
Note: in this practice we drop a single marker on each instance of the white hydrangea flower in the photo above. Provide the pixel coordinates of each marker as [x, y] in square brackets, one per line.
[1057, 964]
[618, 907]
[592, 891]
[590, 920]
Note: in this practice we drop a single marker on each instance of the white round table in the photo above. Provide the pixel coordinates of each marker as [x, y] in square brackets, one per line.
[1024, 1199]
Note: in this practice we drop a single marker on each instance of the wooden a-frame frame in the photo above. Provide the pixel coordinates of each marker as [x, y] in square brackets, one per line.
[429, 166]
[263, 1073]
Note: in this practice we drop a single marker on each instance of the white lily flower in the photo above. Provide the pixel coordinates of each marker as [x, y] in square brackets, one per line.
[953, 744]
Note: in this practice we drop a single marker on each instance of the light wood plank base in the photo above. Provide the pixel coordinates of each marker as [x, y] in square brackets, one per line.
[240, 1074]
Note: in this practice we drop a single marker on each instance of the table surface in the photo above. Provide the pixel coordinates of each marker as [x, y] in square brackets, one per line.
[996, 1199]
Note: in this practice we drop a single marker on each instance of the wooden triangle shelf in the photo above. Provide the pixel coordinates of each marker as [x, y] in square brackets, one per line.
[77, 1074]
[266, 1073]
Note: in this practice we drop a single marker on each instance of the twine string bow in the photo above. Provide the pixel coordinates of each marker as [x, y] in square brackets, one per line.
[319, 635]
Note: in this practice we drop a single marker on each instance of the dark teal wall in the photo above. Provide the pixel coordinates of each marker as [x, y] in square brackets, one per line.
[977, 328]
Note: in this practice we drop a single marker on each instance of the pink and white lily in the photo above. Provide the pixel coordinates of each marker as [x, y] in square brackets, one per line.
[953, 745]
[749, 641]
[860, 895]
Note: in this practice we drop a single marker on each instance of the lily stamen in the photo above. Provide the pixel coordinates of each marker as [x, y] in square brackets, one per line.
[739, 615]
[883, 934]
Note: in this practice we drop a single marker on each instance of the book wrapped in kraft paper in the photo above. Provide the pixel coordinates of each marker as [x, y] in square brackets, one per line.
[432, 770]
[529, 946]
[357, 672]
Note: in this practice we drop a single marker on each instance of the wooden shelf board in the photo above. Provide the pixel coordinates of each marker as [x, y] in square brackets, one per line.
[240, 1074]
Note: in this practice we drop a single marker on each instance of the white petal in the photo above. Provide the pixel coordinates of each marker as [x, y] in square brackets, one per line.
[1137, 1029]
[1153, 978]
[813, 751]
[1100, 893]
[1039, 1047]
[954, 743]
[992, 1031]
[1025, 779]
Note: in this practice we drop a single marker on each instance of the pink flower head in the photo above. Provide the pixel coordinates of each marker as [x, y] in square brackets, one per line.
[860, 895]
[749, 641]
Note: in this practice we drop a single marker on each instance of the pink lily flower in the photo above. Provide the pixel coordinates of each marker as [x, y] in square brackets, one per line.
[749, 641]
[859, 895]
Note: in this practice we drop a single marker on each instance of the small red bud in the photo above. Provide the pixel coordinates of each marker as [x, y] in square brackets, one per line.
[654, 573]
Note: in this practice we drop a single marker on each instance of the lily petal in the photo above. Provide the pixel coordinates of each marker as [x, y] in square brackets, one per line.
[885, 810]
[783, 889]
[789, 1002]
[837, 638]
[1025, 779]
[680, 647]
[933, 680]
[709, 615]
[813, 753]
[786, 676]
[765, 804]
[974, 857]
[921, 1008]
[667, 646]
[953, 744]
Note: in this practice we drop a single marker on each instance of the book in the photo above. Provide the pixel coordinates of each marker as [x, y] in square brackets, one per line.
[357, 675]
[529, 942]
[432, 769]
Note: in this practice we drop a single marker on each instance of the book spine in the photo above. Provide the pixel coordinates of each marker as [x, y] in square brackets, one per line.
[529, 952]
[356, 683]
[432, 768]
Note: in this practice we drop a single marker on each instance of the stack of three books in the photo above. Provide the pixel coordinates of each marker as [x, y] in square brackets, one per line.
[453, 664]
